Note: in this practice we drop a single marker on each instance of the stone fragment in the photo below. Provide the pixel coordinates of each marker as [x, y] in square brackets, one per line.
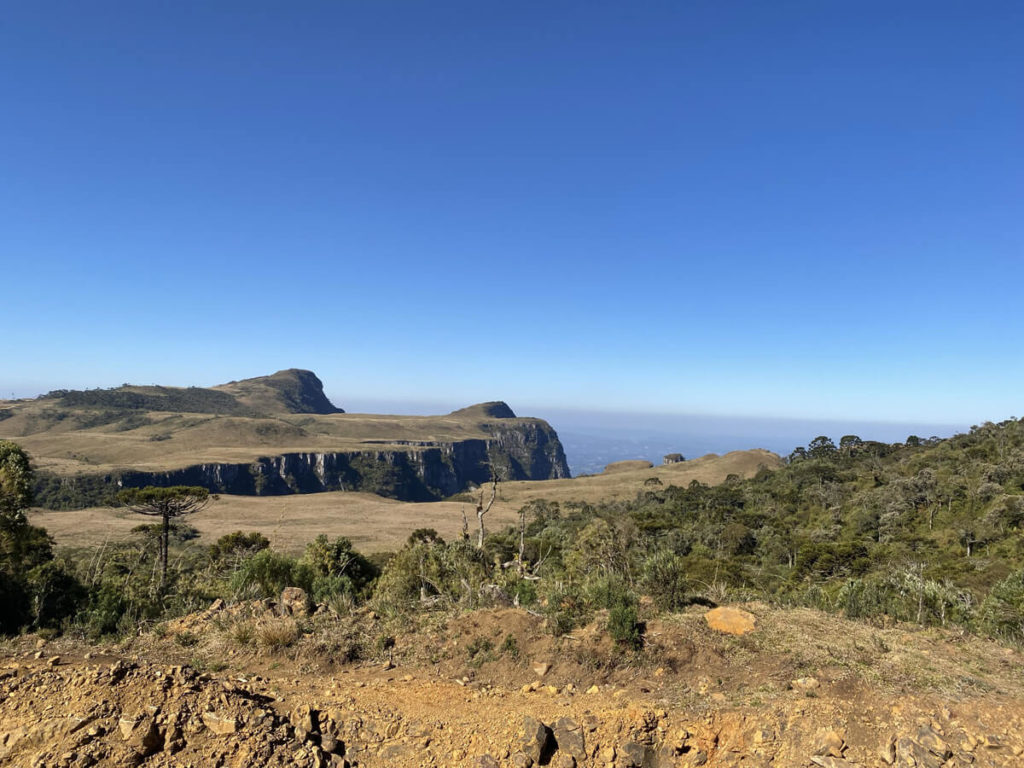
[485, 761]
[537, 741]
[805, 683]
[888, 751]
[294, 602]
[220, 724]
[633, 755]
[832, 762]
[522, 760]
[141, 734]
[830, 743]
[541, 668]
[931, 741]
[569, 738]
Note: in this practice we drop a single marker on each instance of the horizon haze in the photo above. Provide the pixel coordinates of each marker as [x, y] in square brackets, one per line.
[799, 211]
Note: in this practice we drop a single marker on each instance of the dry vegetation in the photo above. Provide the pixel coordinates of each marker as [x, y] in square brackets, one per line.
[174, 440]
[374, 523]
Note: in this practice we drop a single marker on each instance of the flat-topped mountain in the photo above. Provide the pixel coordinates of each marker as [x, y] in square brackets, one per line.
[267, 435]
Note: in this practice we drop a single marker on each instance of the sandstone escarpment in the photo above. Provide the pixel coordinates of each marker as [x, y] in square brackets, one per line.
[527, 449]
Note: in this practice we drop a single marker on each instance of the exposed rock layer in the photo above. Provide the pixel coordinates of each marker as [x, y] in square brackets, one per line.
[527, 450]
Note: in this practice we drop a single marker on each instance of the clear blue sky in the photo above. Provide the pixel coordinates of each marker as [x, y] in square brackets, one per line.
[802, 209]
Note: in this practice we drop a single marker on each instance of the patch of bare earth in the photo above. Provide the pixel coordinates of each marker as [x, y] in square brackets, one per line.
[494, 688]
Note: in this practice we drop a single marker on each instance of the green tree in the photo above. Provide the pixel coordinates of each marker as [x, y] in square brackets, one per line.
[167, 504]
[15, 479]
[821, 447]
[33, 589]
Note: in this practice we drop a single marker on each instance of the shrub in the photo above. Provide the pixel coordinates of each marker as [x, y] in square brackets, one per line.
[625, 627]
[238, 545]
[480, 651]
[607, 591]
[564, 608]
[243, 632]
[509, 647]
[1002, 612]
[664, 580]
[186, 639]
[265, 574]
[276, 633]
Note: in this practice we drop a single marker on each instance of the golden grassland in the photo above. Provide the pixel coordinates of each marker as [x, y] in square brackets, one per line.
[377, 524]
[175, 440]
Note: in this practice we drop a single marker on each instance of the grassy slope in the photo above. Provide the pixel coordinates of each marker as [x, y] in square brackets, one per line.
[375, 523]
[197, 438]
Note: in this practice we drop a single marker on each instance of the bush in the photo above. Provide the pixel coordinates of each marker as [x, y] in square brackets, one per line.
[1002, 612]
[331, 568]
[448, 573]
[232, 547]
[664, 580]
[510, 647]
[607, 591]
[564, 608]
[480, 651]
[625, 628]
[265, 574]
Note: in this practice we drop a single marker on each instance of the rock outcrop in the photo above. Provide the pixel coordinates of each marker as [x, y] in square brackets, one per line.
[528, 449]
[291, 391]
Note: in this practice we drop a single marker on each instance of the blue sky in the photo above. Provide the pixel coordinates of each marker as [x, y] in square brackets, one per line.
[787, 209]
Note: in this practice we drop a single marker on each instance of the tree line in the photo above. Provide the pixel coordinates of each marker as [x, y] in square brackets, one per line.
[927, 531]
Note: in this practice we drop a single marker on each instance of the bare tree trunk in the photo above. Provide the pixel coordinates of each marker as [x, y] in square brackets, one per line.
[165, 535]
[522, 535]
[482, 510]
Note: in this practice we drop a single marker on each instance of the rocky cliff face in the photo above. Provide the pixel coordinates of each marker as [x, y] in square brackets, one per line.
[422, 471]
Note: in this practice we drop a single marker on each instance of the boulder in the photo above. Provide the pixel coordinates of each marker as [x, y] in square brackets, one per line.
[731, 621]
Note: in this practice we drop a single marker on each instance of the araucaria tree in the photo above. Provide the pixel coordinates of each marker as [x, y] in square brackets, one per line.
[166, 503]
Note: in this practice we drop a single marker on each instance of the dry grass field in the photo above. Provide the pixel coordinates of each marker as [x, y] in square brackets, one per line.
[174, 440]
[377, 524]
